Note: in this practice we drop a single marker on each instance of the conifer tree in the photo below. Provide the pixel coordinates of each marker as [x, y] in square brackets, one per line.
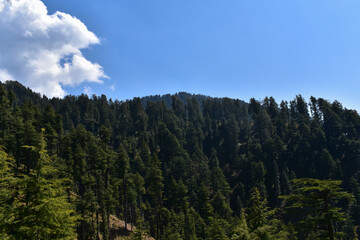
[318, 201]
[203, 205]
[42, 210]
[261, 222]
[155, 185]
[123, 173]
[258, 212]
[242, 232]
[7, 183]
[221, 206]
[216, 229]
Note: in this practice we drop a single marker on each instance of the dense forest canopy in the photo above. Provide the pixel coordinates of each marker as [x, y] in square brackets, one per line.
[177, 167]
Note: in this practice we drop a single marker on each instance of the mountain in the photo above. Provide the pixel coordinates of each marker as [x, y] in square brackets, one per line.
[179, 166]
[22, 93]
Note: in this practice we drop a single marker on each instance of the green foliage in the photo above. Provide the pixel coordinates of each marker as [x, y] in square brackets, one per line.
[216, 230]
[261, 223]
[179, 169]
[258, 212]
[220, 206]
[154, 180]
[7, 182]
[40, 209]
[318, 201]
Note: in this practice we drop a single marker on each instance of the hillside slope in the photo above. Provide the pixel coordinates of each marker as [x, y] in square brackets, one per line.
[185, 172]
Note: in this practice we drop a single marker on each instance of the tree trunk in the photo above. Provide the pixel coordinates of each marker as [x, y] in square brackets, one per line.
[97, 226]
[329, 224]
[125, 203]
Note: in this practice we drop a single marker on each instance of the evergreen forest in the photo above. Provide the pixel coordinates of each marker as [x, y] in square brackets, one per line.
[177, 166]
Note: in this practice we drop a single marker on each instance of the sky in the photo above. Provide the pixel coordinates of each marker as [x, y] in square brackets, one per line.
[234, 48]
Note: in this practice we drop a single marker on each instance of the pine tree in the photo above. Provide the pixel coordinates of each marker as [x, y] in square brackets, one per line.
[258, 212]
[318, 201]
[7, 184]
[220, 206]
[155, 185]
[216, 229]
[203, 203]
[123, 173]
[262, 222]
[242, 231]
[41, 208]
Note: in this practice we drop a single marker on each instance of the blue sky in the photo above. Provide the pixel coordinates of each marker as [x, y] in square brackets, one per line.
[232, 48]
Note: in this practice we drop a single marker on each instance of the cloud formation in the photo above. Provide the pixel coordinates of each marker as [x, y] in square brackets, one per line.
[44, 51]
[88, 91]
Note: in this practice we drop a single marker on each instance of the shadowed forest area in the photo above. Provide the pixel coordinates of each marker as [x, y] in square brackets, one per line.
[177, 166]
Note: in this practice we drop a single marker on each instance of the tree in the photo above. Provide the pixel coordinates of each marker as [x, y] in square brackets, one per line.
[318, 200]
[220, 206]
[261, 223]
[258, 212]
[216, 230]
[40, 206]
[7, 181]
[203, 204]
[218, 179]
[242, 231]
[155, 185]
[5, 117]
[123, 172]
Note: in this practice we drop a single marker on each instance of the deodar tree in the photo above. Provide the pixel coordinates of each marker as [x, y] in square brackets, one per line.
[318, 204]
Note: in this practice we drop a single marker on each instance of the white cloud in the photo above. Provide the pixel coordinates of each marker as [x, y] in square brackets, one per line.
[88, 91]
[44, 51]
[112, 87]
[4, 75]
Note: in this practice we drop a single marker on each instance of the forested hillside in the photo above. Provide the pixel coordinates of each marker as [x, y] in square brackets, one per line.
[194, 168]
